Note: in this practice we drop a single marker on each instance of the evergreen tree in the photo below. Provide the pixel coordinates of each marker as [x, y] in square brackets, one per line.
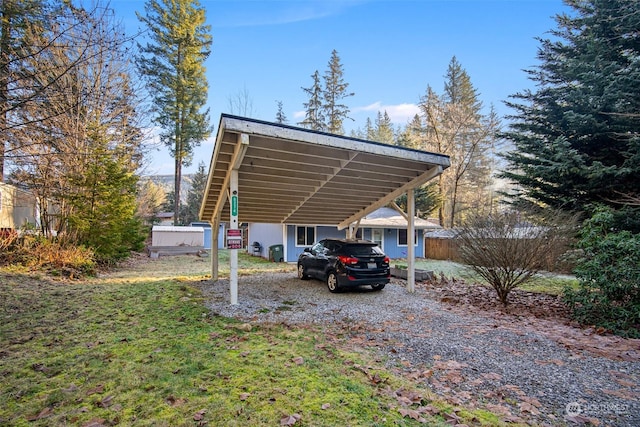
[335, 91]
[576, 136]
[195, 195]
[314, 118]
[458, 88]
[324, 110]
[280, 116]
[103, 209]
[411, 136]
[426, 198]
[384, 129]
[369, 130]
[172, 63]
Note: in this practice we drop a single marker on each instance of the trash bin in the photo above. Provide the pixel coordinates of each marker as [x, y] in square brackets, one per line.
[276, 253]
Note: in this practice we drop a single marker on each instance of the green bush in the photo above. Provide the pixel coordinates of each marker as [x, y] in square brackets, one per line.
[608, 272]
[114, 241]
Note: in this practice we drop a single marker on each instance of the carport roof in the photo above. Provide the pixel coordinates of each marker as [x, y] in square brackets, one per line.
[292, 175]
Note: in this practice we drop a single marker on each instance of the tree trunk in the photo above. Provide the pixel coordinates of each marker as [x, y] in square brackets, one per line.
[177, 182]
[4, 80]
[441, 208]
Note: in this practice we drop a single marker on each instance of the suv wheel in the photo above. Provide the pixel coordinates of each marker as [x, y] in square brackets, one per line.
[377, 286]
[302, 274]
[332, 282]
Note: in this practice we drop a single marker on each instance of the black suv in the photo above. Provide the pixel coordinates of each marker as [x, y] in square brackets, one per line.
[345, 263]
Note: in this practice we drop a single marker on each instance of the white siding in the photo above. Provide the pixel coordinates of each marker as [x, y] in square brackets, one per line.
[265, 234]
[177, 236]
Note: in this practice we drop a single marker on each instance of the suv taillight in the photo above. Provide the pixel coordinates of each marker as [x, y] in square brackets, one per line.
[347, 260]
[386, 260]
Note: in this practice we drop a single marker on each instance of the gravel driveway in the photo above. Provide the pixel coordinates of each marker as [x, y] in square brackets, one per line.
[507, 364]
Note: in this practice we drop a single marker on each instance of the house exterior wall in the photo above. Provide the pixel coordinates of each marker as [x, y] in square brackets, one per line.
[17, 207]
[208, 234]
[292, 250]
[265, 234]
[389, 236]
[394, 249]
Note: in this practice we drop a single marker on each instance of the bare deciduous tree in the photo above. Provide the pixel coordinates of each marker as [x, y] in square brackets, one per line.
[241, 103]
[82, 145]
[34, 35]
[453, 124]
[507, 250]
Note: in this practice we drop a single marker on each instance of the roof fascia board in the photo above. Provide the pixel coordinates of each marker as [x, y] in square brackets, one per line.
[236, 160]
[242, 125]
[242, 143]
[416, 182]
[214, 158]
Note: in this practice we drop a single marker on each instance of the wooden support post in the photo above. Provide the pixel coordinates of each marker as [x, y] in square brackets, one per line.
[215, 229]
[233, 225]
[411, 240]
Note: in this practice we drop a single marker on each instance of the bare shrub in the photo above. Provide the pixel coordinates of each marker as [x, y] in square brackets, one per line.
[8, 242]
[39, 253]
[507, 250]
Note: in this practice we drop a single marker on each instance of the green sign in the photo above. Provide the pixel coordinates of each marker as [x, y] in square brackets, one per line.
[234, 205]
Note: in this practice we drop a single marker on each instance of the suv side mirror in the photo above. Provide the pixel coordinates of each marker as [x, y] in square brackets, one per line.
[307, 250]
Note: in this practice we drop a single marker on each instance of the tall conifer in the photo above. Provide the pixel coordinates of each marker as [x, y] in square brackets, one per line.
[335, 91]
[314, 113]
[281, 117]
[577, 135]
[172, 63]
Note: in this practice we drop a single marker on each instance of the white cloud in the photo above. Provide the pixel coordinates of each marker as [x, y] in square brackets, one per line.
[399, 113]
[280, 12]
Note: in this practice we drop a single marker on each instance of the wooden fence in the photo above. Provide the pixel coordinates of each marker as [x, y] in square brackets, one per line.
[443, 249]
[447, 249]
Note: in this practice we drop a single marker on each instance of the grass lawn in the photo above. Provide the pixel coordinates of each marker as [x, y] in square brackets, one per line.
[138, 347]
[544, 283]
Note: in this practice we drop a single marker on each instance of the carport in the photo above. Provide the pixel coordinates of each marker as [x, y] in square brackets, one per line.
[263, 172]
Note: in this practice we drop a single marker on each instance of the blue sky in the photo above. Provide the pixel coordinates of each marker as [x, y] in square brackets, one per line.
[266, 51]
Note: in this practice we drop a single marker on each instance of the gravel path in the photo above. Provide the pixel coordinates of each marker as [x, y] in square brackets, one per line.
[507, 364]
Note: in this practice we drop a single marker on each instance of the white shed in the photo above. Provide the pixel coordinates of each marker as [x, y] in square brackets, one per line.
[167, 240]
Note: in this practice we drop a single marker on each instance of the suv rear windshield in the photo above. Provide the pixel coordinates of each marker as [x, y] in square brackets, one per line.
[361, 250]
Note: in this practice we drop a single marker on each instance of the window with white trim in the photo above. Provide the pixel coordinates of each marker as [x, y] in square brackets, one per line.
[305, 236]
[402, 237]
[376, 236]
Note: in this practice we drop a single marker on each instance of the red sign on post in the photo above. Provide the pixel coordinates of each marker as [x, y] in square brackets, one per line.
[234, 239]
